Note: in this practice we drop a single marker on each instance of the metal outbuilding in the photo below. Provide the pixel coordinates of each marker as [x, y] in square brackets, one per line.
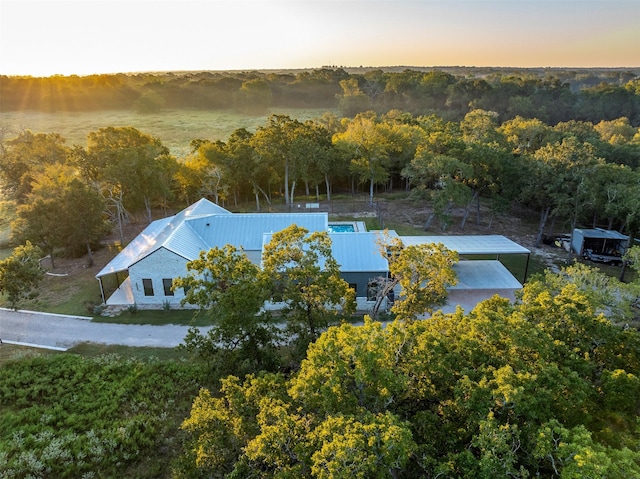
[598, 241]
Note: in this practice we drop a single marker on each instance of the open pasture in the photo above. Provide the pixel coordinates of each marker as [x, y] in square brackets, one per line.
[175, 128]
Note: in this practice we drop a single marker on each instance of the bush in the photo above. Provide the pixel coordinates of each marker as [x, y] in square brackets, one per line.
[67, 416]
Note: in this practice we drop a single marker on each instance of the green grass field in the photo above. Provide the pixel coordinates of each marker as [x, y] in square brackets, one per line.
[175, 128]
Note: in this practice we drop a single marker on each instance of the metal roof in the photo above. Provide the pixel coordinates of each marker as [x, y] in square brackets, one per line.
[354, 252]
[600, 233]
[484, 274]
[141, 245]
[204, 225]
[167, 232]
[358, 252]
[246, 229]
[464, 245]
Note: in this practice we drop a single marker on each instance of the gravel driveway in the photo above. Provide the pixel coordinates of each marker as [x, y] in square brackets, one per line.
[62, 332]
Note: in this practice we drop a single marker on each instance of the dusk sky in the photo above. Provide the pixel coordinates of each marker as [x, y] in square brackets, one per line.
[42, 38]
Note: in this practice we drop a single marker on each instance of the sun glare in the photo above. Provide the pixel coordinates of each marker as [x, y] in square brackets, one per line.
[96, 36]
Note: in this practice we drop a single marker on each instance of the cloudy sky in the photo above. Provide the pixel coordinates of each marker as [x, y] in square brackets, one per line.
[81, 37]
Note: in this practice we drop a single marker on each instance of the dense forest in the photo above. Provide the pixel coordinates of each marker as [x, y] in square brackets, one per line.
[551, 95]
[574, 173]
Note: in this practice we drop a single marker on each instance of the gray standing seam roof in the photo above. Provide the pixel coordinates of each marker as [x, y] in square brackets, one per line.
[602, 234]
[204, 225]
[245, 230]
[465, 245]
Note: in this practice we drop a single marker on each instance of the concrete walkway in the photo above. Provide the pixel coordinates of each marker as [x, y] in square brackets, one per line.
[56, 331]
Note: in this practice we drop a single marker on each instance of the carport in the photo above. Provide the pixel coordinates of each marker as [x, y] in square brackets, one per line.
[476, 245]
[478, 279]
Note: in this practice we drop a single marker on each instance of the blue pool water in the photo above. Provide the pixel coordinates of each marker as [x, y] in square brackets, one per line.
[341, 228]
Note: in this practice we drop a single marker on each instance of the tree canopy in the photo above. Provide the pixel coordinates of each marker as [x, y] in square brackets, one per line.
[20, 273]
[546, 387]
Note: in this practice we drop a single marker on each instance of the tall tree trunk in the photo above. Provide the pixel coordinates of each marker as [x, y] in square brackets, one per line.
[544, 216]
[371, 183]
[574, 220]
[147, 207]
[430, 219]
[623, 269]
[371, 191]
[467, 210]
[120, 214]
[287, 199]
[293, 188]
[90, 255]
[328, 185]
[257, 189]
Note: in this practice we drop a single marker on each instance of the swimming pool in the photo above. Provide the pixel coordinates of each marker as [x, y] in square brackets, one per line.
[342, 228]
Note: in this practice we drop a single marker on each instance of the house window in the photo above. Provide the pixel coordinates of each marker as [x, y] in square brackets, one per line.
[147, 284]
[166, 283]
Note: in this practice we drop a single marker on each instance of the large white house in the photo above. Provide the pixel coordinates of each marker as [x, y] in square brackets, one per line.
[143, 272]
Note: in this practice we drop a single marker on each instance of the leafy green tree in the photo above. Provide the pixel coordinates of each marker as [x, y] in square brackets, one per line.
[367, 140]
[207, 173]
[350, 369]
[273, 143]
[480, 126]
[608, 296]
[222, 426]
[368, 446]
[524, 389]
[61, 212]
[84, 224]
[306, 279]
[227, 285]
[315, 157]
[26, 155]
[632, 255]
[439, 177]
[353, 100]
[20, 274]
[254, 96]
[526, 135]
[423, 273]
[490, 175]
[38, 221]
[132, 165]
[249, 167]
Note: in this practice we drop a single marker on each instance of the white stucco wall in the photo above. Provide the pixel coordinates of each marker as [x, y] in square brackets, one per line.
[157, 266]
